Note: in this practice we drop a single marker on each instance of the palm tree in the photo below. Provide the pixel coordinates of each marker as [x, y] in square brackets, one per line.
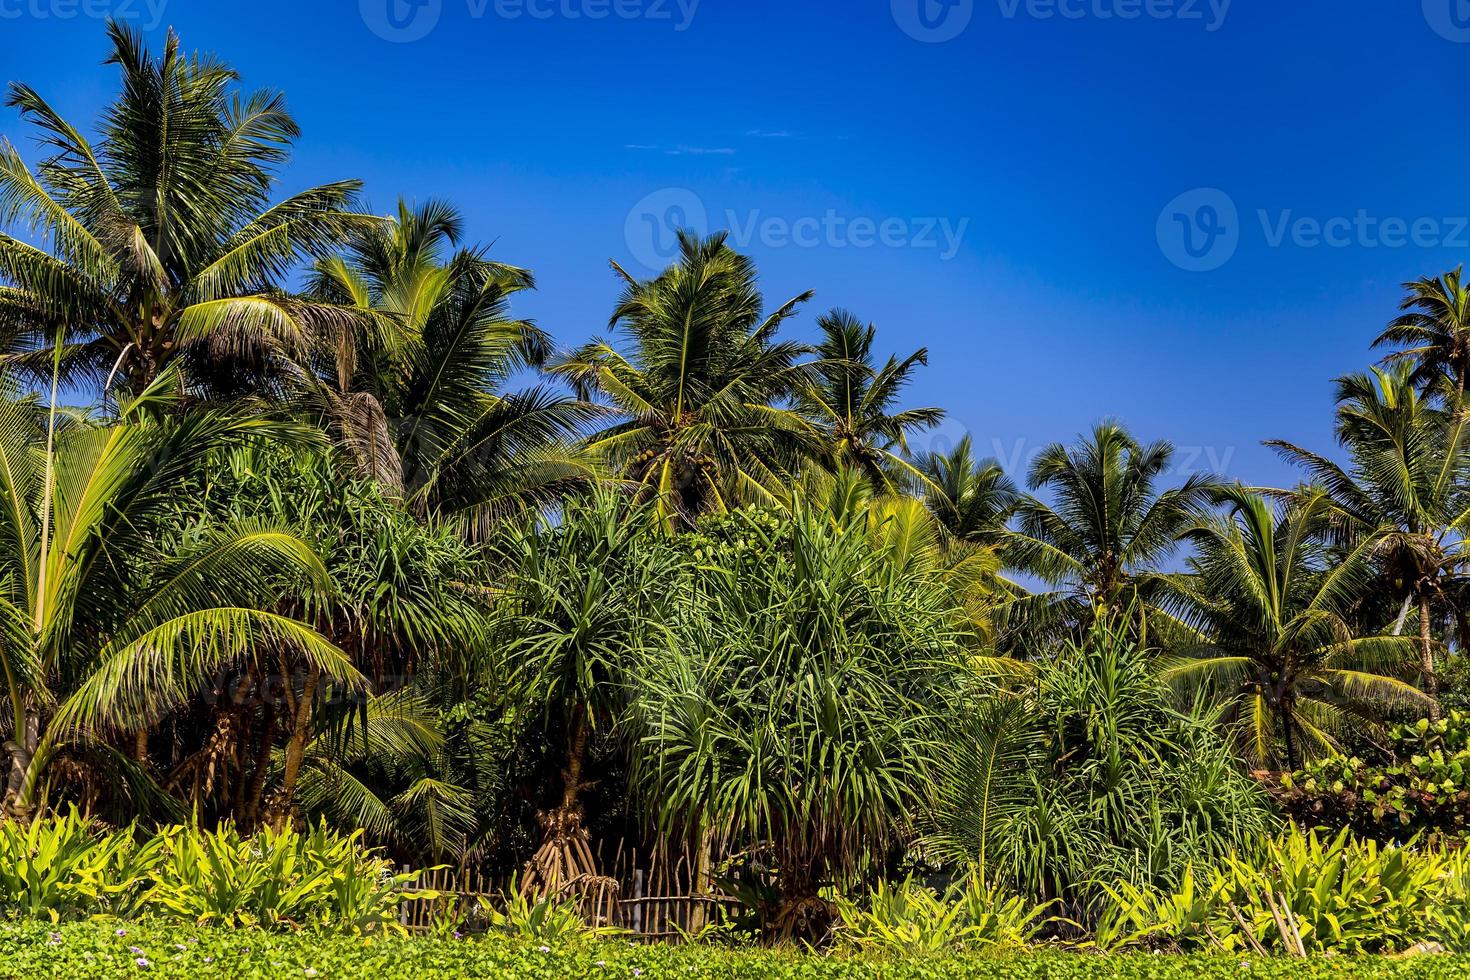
[165, 245]
[1280, 652]
[105, 630]
[703, 389]
[851, 401]
[1401, 494]
[973, 499]
[1434, 332]
[404, 603]
[419, 400]
[1101, 543]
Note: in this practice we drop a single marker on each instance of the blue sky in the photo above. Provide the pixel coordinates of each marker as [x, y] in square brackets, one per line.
[1007, 182]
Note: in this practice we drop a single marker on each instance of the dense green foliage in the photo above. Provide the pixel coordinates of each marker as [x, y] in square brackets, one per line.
[94, 950]
[68, 868]
[1419, 786]
[338, 552]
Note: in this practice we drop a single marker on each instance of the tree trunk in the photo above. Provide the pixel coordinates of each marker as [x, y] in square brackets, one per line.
[1292, 762]
[22, 753]
[262, 768]
[296, 747]
[140, 746]
[576, 758]
[702, 886]
[1426, 656]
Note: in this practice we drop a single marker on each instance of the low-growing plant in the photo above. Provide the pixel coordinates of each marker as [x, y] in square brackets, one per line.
[1299, 895]
[276, 879]
[69, 867]
[541, 920]
[911, 919]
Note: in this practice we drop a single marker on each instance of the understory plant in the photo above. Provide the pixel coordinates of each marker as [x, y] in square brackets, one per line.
[909, 918]
[1301, 894]
[1422, 789]
[69, 867]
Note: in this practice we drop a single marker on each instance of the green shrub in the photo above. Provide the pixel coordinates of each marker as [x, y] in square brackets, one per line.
[1303, 892]
[68, 867]
[1424, 791]
[276, 879]
[542, 921]
[910, 919]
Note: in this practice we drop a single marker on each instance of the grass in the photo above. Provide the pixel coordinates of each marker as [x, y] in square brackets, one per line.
[111, 949]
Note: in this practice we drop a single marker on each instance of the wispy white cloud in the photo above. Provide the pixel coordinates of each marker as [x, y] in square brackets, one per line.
[679, 151]
[779, 134]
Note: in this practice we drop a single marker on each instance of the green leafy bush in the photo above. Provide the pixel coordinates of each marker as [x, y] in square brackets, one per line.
[1424, 790]
[911, 919]
[276, 879]
[67, 867]
[1302, 893]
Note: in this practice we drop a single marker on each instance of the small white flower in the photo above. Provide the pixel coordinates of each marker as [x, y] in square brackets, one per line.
[545, 949]
[142, 961]
[311, 972]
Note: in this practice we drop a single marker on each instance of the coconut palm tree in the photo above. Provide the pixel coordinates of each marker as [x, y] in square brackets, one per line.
[973, 499]
[106, 631]
[703, 388]
[1280, 655]
[1433, 331]
[164, 244]
[851, 401]
[1102, 541]
[404, 603]
[1401, 494]
[417, 396]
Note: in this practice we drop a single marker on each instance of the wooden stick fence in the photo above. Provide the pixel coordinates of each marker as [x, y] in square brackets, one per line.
[642, 918]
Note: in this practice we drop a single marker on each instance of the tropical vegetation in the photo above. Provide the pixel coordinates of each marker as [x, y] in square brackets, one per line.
[320, 561]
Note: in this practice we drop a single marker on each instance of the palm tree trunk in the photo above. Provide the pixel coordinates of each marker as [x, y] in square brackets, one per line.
[262, 768]
[22, 751]
[1292, 762]
[296, 747]
[1426, 656]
